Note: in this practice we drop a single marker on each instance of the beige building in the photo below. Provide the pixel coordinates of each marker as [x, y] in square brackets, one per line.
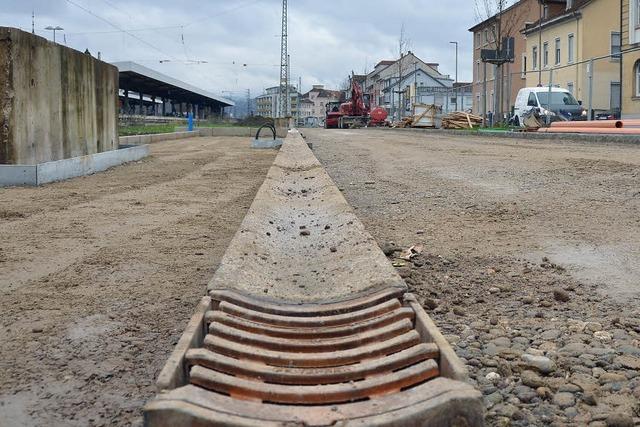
[512, 78]
[319, 97]
[558, 49]
[631, 59]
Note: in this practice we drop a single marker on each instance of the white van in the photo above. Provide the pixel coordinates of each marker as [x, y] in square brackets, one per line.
[563, 104]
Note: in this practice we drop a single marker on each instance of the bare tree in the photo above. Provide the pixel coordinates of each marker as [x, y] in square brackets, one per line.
[403, 48]
[502, 22]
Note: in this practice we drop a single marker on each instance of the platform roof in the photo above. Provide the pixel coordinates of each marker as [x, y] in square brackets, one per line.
[137, 78]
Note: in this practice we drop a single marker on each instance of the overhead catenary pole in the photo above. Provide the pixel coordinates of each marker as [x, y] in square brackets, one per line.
[288, 109]
[455, 91]
[283, 106]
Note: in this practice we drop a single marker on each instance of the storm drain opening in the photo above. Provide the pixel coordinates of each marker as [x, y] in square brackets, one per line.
[322, 354]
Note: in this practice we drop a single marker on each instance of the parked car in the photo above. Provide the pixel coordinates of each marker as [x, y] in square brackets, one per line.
[563, 105]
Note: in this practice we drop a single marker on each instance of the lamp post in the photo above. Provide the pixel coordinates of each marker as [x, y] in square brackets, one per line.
[455, 91]
[54, 29]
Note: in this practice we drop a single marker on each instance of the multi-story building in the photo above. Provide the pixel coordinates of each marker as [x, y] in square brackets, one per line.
[561, 47]
[268, 104]
[630, 60]
[319, 97]
[510, 77]
[396, 85]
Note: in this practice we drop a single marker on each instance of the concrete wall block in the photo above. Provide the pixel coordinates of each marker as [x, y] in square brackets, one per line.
[18, 175]
[87, 165]
[57, 102]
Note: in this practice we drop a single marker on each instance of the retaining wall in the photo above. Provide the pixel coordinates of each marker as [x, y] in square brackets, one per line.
[55, 102]
[43, 173]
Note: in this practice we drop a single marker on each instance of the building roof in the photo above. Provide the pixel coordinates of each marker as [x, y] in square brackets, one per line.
[137, 78]
[385, 62]
[324, 93]
[557, 18]
[493, 18]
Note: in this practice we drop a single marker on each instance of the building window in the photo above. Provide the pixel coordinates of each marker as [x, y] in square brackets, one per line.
[636, 12]
[636, 69]
[614, 103]
[477, 39]
[524, 66]
[570, 42]
[615, 45]
[545, 55]
[486, 36]
[570, 88]
[557, 51]
[545, 12]
[534, 57]
[478, 71]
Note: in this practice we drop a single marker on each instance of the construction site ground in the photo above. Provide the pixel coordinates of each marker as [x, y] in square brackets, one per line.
[530, 260]
[99, 275]
[526, 254]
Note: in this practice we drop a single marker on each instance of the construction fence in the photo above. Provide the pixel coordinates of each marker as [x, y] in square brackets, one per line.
[604, 86]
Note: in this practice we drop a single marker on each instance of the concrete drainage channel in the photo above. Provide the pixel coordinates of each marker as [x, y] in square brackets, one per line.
[307, 324]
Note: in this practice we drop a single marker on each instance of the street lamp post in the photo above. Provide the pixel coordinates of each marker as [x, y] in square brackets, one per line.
[54, 29]
[455, 91]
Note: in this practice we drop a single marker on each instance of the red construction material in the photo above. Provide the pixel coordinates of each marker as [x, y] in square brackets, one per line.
[611, 131]
[592, 124]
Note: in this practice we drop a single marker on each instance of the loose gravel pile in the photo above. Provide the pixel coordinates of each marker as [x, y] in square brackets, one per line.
[541, 347]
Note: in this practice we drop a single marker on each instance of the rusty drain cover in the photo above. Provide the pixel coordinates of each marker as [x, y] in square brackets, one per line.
[349, 351]
[261, 363]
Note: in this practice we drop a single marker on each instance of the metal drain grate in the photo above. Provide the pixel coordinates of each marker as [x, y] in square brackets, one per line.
[311, 354]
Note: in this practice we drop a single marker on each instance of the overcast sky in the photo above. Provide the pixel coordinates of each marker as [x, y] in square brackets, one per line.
[327, 39]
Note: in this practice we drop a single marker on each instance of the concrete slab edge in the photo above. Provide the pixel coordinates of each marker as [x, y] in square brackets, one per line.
[157, 137]
[44, 173]
[533, 136]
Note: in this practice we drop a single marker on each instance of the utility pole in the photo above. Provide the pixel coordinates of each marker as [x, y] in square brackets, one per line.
[33, 22]
[248, 102]
[455, 90]
[289, 109]
[299, 99]
[539, 59]
[284, 64]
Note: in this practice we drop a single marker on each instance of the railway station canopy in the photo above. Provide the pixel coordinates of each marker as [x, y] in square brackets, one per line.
[147, 82]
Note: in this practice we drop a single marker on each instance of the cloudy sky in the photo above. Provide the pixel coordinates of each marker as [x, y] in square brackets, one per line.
[240, 41]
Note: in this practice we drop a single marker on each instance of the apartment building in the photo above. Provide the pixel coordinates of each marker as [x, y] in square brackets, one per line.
[268, 104]
[316, 100]
[630, 60]
[560, 48]
[396, 84]
[511, 76]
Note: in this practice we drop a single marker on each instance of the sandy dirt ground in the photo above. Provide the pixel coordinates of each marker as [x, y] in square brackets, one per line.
[530, 260]
[99, 275]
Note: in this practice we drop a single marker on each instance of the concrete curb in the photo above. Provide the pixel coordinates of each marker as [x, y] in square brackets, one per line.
[300, 249]
[43, 173]
[298, 215]
[533, 136]
[158, 137]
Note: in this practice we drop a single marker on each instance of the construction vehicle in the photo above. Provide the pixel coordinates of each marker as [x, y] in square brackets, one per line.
[355, 113]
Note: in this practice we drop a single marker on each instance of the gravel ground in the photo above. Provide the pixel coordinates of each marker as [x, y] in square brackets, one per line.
[99, 275]
[526, 254]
